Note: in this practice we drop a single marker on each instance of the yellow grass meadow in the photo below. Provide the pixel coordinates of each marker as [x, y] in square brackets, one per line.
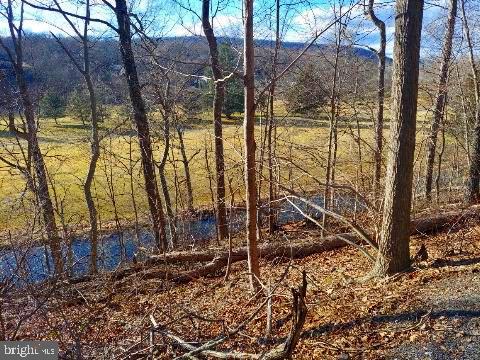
[302, 145]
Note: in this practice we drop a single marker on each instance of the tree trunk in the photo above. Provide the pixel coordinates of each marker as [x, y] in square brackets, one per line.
[168, 207]
[473, 194]
[466, 127]
[11, 121]
[141, 121]
[94, 141]
[43, 194]
[380, 99]
[271, 126]
[168, 113]
[42, 191]
[473, 184]
[218, 100]
[186, 167]
[394, 249]
[95, 154]
[163, 178]
[250, 146]
[440, 98]
[130, 170]
[272, 224]
[332, 136]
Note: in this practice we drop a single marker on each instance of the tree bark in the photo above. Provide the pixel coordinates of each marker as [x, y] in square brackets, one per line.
[332, 137]
[186, 167]
[161, 168]
[141, 121]
[440, 98]
[218, 100]
[168, 114]
[380, 99]
[94, 155]
[94, 138]
[394, 249]
[217, 261]
[271, 126]
[250, 146]
[42, 191]
[466, 126]
[473, 184]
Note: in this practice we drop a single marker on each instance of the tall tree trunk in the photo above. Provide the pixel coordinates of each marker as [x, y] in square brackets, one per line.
[141, 122]
[271, 142]
[394, 252]
[250, 146]
[130, 170]
[43, 194]
[186, 167]
[42, 191]
[332, 136]
[94, 138]
[473, 184]
[380, 99]
[94, 155]
[218, 100]
[466, 127]
[168, 113]
[11, 121]
[440, 98]
[163, 180]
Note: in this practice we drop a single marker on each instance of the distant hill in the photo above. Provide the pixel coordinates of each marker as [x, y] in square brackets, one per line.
[289, 45]
[47, 66]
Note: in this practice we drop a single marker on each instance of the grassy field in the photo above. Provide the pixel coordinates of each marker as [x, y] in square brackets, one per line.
[66, 148]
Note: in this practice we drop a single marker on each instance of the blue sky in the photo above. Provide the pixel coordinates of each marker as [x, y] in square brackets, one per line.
[178, 17]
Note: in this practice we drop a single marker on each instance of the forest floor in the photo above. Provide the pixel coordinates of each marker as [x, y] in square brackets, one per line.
[430, 312]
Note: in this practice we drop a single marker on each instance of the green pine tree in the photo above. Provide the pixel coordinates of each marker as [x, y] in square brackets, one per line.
[52, 105]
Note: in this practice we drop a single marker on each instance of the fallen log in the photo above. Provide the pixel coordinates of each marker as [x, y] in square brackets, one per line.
[428, 224]
[433, 223]
[220, 259]
[156, 265]
[268, 251]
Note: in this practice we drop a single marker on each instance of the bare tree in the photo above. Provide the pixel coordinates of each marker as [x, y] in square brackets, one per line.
[250, 146]
[380, 97]
[42, 191]
[84, 68]
[473, 185]
[141, 121]
[186, 166]
[394, 254]
[271, 126]
[163, 179]
[328, 195]
[124, 32]
[441, 97]
[218, 100]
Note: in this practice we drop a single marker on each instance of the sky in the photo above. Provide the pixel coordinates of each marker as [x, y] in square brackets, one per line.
[299, 21]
